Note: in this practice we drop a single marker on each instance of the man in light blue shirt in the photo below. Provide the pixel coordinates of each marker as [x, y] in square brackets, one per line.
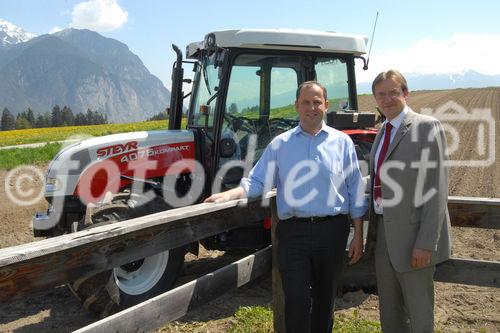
[316, 174]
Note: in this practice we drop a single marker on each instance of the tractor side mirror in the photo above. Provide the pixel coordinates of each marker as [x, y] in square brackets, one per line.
[227, 147]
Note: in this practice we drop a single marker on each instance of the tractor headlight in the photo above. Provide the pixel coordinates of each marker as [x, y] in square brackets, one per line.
[52, 185]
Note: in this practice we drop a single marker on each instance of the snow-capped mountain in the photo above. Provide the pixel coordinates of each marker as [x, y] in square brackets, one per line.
[465, 79]
[11, 34]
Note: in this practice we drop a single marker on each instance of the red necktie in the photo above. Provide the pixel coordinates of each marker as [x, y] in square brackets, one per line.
[377, 188]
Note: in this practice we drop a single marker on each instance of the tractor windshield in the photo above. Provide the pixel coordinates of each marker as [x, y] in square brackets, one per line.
[261, 92]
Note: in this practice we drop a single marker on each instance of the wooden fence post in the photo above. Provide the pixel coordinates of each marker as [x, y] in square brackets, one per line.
[278, 297]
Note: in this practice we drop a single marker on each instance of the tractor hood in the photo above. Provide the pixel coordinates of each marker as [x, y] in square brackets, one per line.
[72, 161]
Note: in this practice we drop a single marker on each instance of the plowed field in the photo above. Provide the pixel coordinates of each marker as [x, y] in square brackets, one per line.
[458, 308]
[464, 180]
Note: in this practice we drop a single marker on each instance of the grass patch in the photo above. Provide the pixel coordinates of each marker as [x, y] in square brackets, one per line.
[253, 319]
[11, 158]
[257, 319]
[355, 324]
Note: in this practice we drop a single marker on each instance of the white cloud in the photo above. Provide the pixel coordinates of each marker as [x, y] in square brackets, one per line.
[55, 29]
[98, 15]
[460, 52]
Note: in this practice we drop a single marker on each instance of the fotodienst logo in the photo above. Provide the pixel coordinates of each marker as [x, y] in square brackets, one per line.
[457, 122]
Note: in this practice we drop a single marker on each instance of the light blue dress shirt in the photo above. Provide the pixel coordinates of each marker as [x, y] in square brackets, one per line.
[314, 175]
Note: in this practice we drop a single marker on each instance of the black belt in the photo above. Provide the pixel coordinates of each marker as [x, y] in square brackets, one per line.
[311, 219]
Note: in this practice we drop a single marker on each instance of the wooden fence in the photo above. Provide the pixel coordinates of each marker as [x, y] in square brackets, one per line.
[34, 267]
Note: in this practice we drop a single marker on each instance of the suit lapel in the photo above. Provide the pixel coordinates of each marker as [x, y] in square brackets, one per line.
[402, 131]
[373, 151]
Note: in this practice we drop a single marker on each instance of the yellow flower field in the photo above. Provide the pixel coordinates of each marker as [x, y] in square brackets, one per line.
[33, 135]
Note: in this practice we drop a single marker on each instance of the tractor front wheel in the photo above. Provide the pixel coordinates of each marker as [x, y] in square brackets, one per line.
[108, 292]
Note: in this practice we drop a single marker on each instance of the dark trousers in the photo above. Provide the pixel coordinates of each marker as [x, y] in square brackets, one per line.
[310, 259]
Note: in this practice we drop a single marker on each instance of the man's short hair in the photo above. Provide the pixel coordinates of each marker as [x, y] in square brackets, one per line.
[391, 74]
[309, 84]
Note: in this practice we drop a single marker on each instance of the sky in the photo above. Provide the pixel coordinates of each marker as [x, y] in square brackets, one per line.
[428, 36]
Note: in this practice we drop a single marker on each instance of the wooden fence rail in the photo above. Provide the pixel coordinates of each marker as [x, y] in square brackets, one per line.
[158, 311]
[36, 266]
[474, 212]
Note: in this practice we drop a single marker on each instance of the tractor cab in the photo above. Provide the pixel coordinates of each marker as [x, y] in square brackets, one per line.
[245, 86]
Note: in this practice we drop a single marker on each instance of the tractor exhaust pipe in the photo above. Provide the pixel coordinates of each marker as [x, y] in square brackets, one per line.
[175, 112]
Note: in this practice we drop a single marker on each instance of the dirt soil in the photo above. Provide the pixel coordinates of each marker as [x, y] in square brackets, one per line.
[459, 308]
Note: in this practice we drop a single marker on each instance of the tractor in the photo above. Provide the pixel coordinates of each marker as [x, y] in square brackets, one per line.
[242, 96]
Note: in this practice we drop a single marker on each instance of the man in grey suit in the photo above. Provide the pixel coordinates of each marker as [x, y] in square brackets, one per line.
[408, 210]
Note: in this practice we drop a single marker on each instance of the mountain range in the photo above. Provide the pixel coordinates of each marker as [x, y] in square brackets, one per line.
[466, 79]
[84, 70]
[77, 68]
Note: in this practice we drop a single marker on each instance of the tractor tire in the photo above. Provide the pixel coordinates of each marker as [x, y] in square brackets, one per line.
[110, 291]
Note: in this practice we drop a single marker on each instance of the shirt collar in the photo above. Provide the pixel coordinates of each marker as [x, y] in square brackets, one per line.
[298, 129]
[396, 122]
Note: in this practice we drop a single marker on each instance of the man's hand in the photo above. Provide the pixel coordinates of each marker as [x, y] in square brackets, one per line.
[218, 197]
[420, 258]
[356, 248]
[235, 193]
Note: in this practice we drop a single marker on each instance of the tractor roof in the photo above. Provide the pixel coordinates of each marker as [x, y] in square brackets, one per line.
[283, 39]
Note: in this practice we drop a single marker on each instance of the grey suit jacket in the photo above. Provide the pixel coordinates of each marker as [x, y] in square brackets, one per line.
[415, 193]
